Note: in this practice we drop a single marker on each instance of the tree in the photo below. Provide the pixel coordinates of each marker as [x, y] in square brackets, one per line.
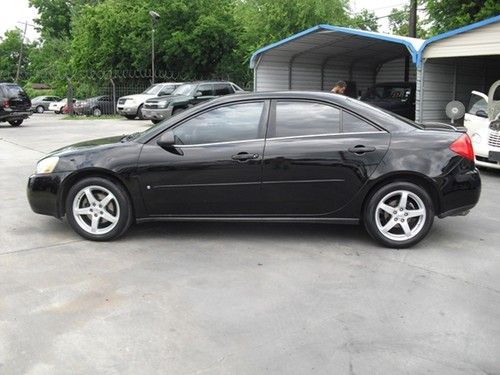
[10, 47]
[55, 16]
[399, 22]
[365, 20]
[445, 15]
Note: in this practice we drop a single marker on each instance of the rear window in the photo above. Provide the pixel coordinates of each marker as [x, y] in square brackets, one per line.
[14, 91]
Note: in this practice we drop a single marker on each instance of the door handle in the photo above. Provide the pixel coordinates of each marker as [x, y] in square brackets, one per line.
[360, 149]
[244, 156]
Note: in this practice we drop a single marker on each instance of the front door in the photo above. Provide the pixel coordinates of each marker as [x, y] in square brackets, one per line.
[317, 157]
[215, 168]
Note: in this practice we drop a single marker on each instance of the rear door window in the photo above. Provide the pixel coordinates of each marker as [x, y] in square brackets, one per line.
[354, 124]
[301, 118]
[14, 91]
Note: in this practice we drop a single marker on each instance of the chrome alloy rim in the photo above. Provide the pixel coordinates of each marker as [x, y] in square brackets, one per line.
[400, 215]
[96, 210]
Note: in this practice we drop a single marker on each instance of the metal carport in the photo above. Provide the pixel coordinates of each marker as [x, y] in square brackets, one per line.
[452, 64]
[318, 57]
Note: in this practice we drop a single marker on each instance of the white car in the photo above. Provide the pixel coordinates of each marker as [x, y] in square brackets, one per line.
[130, 106]
[57, 107]
[482, 122]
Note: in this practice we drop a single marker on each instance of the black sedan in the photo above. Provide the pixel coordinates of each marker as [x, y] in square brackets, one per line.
[96, 106]
[274, 157]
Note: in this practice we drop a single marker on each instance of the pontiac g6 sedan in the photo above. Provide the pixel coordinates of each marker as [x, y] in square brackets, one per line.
[273, 157]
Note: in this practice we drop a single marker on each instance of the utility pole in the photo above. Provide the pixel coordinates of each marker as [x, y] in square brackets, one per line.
[412, 32]
[21, 52]
[154, 19]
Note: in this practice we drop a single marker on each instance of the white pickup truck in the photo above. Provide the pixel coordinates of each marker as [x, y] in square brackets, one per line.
[482, 122]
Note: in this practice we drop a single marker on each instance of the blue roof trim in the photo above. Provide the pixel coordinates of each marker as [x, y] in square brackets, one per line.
[389, 38]
[460, 30]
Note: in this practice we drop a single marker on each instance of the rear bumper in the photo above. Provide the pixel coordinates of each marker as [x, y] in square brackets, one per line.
[14, 115]
[460, 190]
[43, 193]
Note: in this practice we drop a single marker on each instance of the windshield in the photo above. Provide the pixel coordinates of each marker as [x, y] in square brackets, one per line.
[153, 90]
[397, 93]
[184, 89]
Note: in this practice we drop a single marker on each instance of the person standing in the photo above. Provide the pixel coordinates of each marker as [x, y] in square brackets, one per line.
[339, 88]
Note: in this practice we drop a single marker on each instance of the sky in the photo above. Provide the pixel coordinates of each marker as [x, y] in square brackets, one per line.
[15, 12]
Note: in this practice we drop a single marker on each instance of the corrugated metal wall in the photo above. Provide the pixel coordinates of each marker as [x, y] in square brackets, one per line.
[394, 71]
[447, 79]
[272, 73]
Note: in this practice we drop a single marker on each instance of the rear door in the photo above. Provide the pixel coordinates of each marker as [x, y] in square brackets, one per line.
[317, 157]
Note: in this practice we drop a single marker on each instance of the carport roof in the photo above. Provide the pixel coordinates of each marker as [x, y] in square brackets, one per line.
[324, 40]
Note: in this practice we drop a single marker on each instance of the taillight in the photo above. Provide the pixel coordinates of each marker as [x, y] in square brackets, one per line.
[463, 147]
[5, 103]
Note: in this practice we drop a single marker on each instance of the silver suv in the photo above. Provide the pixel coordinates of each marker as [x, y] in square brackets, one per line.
[130, 106]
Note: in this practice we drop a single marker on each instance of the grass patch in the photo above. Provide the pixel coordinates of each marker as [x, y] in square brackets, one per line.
[103, 117]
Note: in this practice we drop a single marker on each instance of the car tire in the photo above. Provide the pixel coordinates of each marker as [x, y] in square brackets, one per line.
[130, 117]
[96, 112]
[16, 123]
[93, 222]
[139, 113]
[399, 214]
[156, 121]
[40, 109]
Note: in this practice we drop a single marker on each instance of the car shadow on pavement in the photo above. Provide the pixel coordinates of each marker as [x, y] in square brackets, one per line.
[289, 232]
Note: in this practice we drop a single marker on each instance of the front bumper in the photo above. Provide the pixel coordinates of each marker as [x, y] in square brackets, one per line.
[126, 109]
[157, 113]
[44, 191]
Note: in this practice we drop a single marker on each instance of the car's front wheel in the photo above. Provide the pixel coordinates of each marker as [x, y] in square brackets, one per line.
[98, 209]
[16, 123]
[40, 109]
[96, 112]
[399, 214]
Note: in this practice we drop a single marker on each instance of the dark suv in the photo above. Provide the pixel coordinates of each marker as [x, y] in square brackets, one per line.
[397, 97]
[14, 104]
[186, 96]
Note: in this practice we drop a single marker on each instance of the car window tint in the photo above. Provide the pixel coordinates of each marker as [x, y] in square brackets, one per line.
[236, 122]
[477, 103]
[294, 118]
[353, 124]
[206, 90]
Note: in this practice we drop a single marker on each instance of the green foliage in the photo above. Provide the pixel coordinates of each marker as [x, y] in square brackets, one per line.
[445, 15]
[399, 20]
[364, 20]
[10, 47]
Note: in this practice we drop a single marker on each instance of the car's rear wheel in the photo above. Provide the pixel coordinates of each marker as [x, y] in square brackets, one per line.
[399, 214]
[97, 112]
[130, 117]
[16, 122]
[40, 109]
[98, 209]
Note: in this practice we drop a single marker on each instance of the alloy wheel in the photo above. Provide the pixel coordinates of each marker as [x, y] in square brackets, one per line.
[96, 209]
[400, 215]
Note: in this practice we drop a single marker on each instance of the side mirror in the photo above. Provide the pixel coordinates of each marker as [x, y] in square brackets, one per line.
[198, 94]
[166, 140]
[481, 113]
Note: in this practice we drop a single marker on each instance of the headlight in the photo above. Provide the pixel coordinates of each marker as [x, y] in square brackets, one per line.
[476, 138]
[47, 165]
[163, 104]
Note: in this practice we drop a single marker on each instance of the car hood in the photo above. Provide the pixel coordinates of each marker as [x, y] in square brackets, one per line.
[139, 97]
[170, 98]
[86, 145]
